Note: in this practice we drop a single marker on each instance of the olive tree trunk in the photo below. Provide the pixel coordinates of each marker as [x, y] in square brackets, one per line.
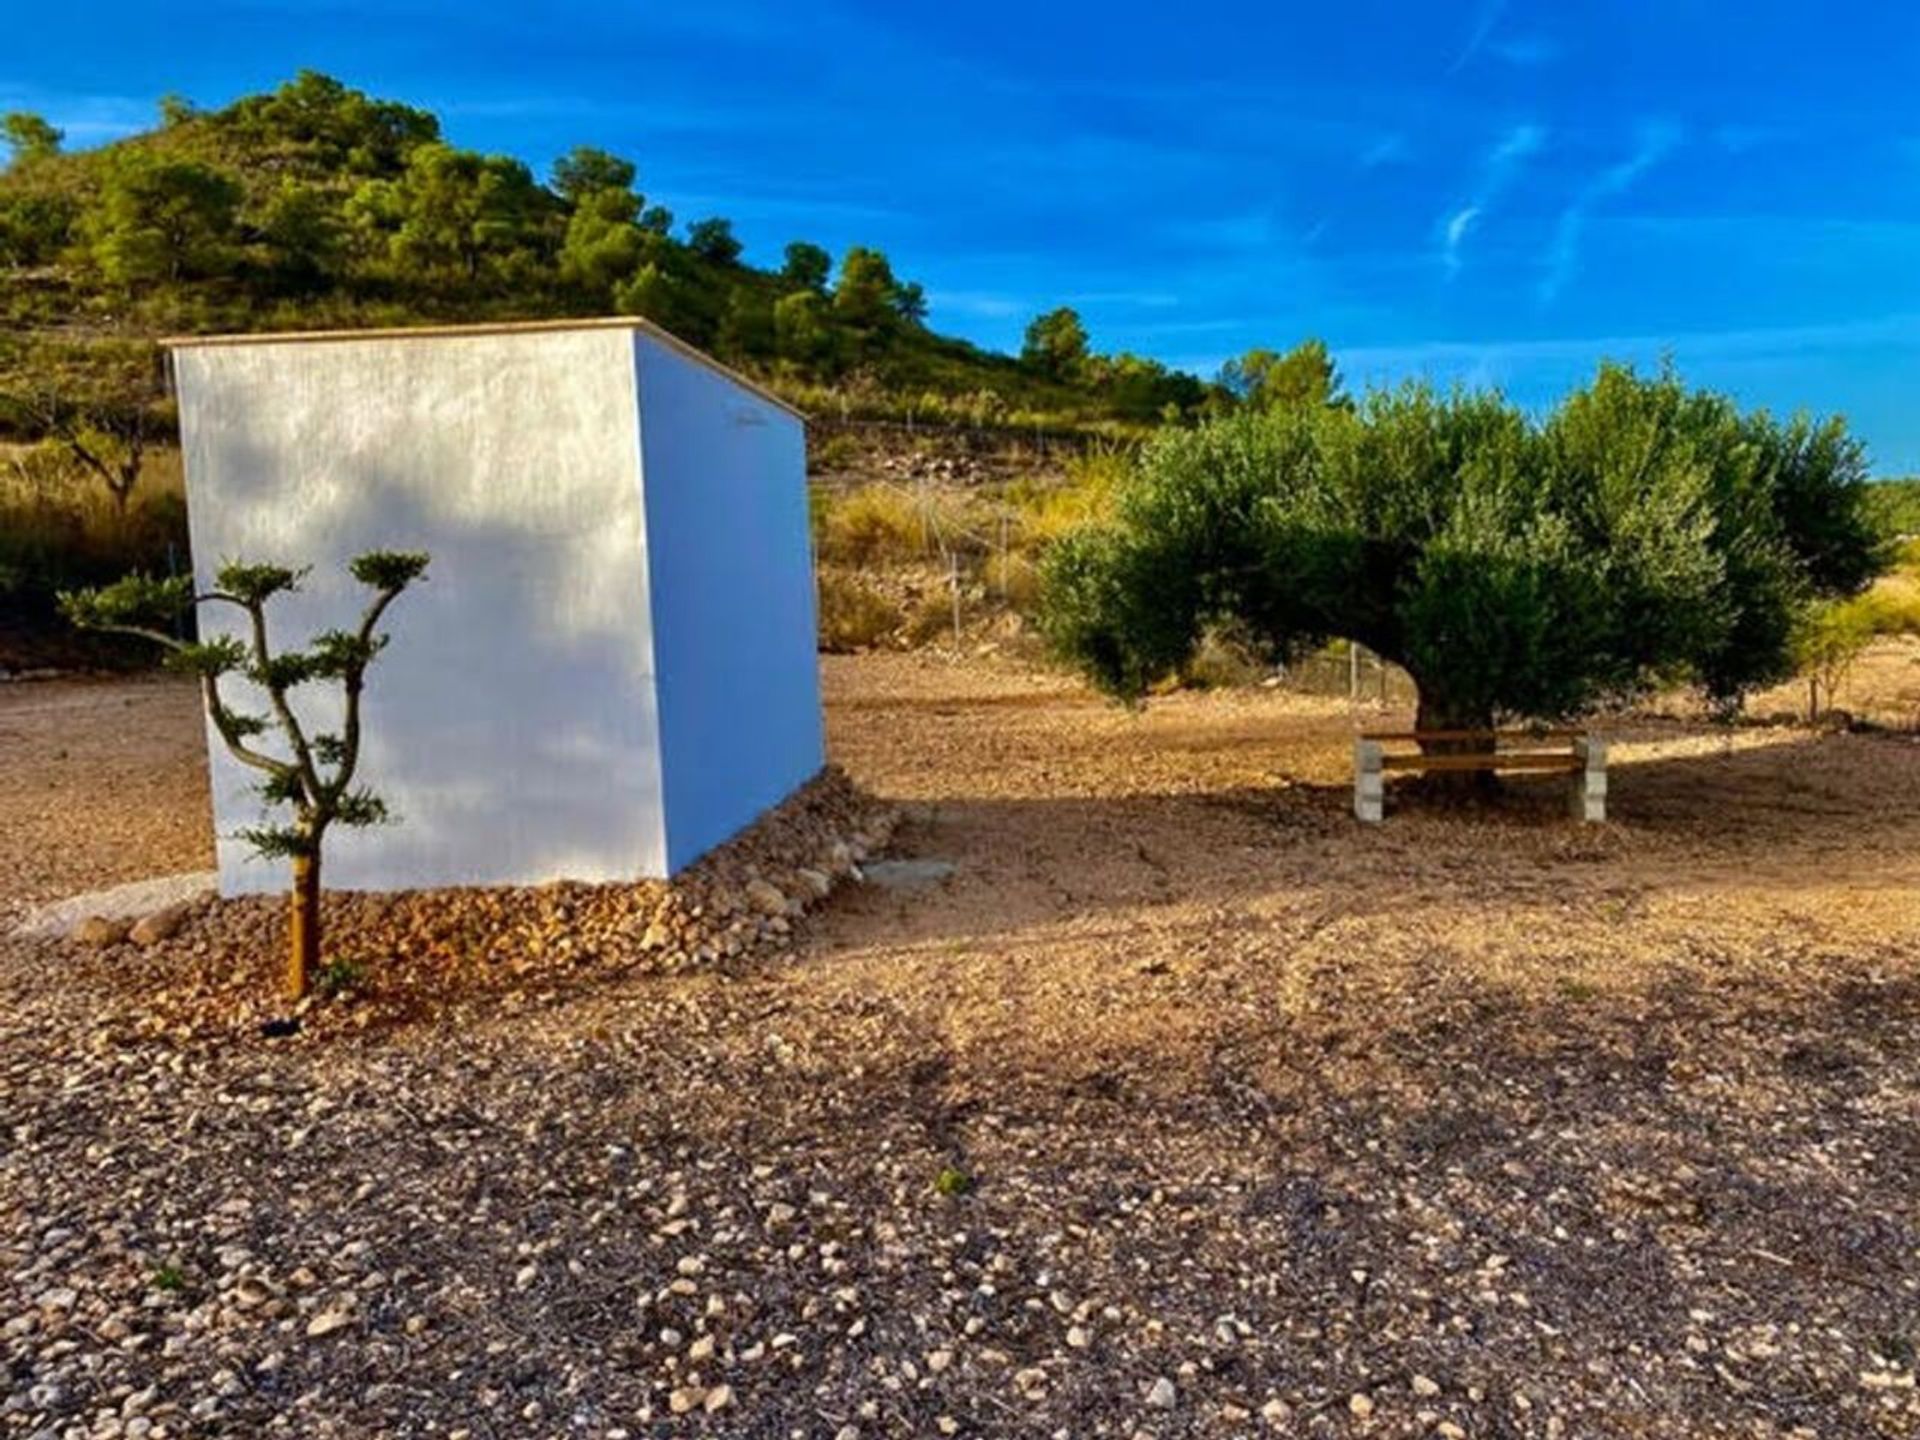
[1439, 712]
[303, 926]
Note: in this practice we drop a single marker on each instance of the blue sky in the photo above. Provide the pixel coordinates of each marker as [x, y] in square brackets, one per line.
[1498, 192]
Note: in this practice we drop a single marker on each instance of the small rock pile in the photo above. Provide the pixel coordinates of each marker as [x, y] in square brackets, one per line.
[205, 967]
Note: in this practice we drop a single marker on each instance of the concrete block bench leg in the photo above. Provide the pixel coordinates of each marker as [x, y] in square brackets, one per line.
[1369, 781]
[1589, 792]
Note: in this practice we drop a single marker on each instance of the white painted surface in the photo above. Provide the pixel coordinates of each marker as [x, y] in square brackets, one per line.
[512, 723]
[724, 473]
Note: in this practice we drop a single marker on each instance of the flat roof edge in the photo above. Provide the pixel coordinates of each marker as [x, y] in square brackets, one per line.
[501, 327]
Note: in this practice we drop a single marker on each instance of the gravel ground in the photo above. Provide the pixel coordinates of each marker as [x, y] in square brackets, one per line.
[1184, 1106]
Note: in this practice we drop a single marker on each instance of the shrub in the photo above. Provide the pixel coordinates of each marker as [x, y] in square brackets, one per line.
[853, 615]
[868, 523]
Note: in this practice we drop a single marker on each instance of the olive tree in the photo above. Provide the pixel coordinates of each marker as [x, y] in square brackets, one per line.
[1639, 533]
[313, 772]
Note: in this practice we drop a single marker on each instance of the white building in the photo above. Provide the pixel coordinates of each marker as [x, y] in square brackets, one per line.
[610, 667]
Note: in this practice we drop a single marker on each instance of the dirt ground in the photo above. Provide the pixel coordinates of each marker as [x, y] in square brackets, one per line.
[1468, 1125]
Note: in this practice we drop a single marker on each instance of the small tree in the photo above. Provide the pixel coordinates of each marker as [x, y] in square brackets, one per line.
[29, 136]
[807, 266]
[1640, 533]
[713, 240]
[105, 407]
[315, 775]
[1056, 344]
[1830, 638]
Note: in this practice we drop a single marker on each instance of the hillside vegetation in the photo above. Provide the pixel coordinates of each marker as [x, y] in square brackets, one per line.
[319, 206]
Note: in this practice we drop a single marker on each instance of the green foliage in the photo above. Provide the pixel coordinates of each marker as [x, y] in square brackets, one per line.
[315, 205]
[807, 266]
[1640, 532]
[458, 217]
[255, 584]
[1829, 639]
[604, 244]
[301, 234]
[29, 136]
[1304, 376]
[953, 1182]
[584, 171]
[801, 329]
[713, 241]
[1892, 506]
[162, 220]
[864, 298]
[747, 330]
[1056, 344]
[35, 226]
[169, 1279]
[312, 775]
[340, 977]
[389, 569]
[132, 600]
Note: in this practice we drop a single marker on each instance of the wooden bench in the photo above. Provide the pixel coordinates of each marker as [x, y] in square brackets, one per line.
[1573, 753]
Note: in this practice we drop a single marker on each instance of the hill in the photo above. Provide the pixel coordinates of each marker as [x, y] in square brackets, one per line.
[316, 205]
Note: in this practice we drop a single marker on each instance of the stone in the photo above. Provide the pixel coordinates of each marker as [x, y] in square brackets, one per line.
[161, 924]
[687, 1397]
[1361, 1406]
[718, 1399]
[1161, 1395]
[1425, 1388]
[328, 1322]
[99, 931]
[908, 875]
[815, 880]
[766, 898]
[1276, 1411]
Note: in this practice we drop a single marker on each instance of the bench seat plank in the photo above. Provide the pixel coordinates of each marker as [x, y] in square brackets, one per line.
[1490, 760]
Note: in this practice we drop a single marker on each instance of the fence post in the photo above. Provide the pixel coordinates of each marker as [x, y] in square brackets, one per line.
[1588, 796]
[1369, 781]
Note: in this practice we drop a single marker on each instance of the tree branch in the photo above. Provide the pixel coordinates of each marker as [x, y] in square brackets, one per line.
[277, 694]
[350, 730]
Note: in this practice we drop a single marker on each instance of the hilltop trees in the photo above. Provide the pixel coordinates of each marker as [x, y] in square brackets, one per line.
[314, 772]
[807, 267]
[29, 136]
[1056, 344]
[1304, 375]
[317, 204]
[1641, 532]
[713, 241]
[161, 220]
[456, 216]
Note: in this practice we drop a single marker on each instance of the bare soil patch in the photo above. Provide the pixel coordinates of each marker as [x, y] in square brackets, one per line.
[1480, 1124]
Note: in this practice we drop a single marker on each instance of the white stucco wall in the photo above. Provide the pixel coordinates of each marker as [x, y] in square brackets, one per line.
[724, 474]
[512, 723]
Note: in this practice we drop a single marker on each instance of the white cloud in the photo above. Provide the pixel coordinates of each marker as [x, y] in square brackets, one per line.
[1387, 150]
[1497, 171]
[1656, 140]
[1484, 20]
[1528, 51]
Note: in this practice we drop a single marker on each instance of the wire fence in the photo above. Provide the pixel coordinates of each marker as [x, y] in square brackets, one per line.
[1353, 673]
